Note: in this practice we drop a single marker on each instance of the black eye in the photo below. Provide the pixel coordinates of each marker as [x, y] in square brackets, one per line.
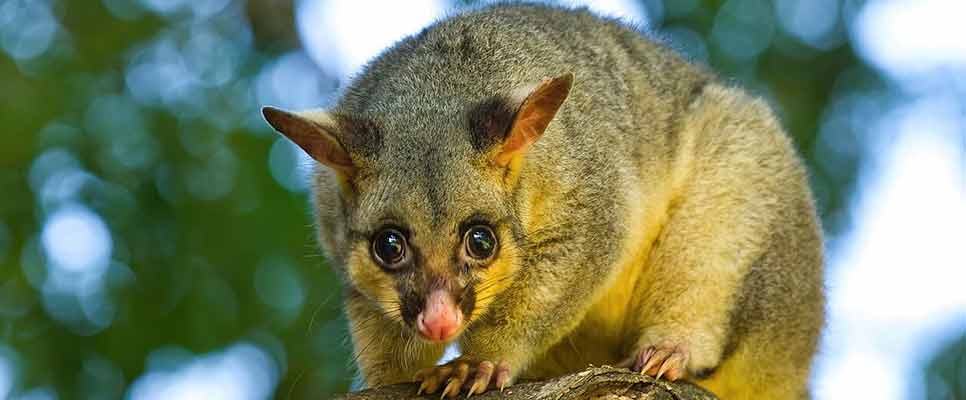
[480, 242]
[389, 248]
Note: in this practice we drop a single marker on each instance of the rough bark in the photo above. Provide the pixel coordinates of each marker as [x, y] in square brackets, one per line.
[599, 383]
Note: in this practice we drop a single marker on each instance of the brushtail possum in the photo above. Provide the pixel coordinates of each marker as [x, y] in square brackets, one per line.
[552, 189]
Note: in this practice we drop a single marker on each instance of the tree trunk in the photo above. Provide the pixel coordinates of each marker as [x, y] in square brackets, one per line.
[599, 383]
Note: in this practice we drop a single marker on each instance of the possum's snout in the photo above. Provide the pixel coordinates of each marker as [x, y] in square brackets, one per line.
[441, 317]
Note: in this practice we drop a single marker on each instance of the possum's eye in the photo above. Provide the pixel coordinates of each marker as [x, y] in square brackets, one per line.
[389, 248]
[480, 242]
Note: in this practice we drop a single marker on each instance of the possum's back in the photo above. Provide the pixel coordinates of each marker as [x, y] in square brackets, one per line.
[498, 48]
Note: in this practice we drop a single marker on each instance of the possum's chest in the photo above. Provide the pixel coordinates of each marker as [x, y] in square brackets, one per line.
[610, 329]
[606, 333]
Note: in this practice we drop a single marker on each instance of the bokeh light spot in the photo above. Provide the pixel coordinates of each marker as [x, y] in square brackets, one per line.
[913, 39]
[279, 285]
[27, 27]
[8, 371]
[743, 28]
[215, 177]
[275, 85]
[813, 22]
[243, 371]
[76, 239]
[630, 11]
[48, 163]
[123, 9]
[41, 393]
[336, 40]
[289, 165]
[689, 42]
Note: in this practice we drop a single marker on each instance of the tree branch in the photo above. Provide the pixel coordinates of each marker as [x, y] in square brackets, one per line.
[602, 383]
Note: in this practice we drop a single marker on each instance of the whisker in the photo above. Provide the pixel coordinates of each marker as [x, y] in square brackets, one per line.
[291, 389]
[364, 348]
[315, 313]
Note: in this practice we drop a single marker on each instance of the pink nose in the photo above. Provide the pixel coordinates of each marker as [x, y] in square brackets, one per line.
[441, 318]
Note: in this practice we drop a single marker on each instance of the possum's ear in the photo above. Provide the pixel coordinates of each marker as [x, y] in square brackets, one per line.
[538, 108]
[313, 131]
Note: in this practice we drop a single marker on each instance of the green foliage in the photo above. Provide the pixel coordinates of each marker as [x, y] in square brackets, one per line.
[206, 247]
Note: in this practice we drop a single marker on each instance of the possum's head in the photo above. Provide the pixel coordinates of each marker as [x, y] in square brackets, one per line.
[423, 195]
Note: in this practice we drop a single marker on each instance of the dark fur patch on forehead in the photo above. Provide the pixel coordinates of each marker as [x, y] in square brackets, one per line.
[360, 135]
[489, 121]
[434, 187]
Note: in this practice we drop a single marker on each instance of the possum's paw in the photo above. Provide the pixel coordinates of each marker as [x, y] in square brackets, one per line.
[666, 359]
[464, 373]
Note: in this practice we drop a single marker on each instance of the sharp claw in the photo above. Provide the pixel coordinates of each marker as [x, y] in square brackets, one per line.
[680, 361]
[651, 363]
[502, 375]
[452, 388]
[457, 377]
[642, 358]
[664, 368]
[432, 384]
[473, 389]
